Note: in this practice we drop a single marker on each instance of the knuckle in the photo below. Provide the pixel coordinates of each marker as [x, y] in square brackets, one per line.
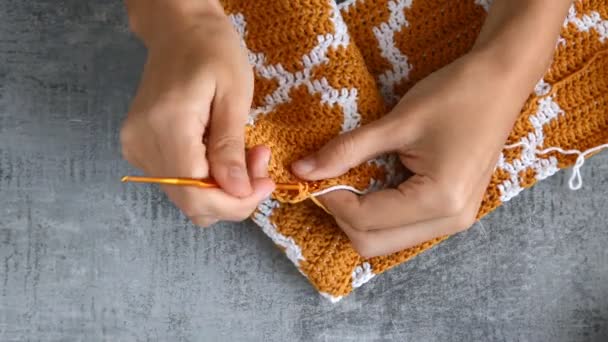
[360, 242]
[126, 153]
[170, 115]
[226, 143]
[346, 145]
[465, 220]
[364, 248]
[158, 117]
[127, 140]
[453, 201]
[241, 214]
[127, 133]
[197, 221]
[237, 105]
[238, 218]
[223, 73]
[351, 225]
[189, 206]
[234, 213]
[198, 170]
[357, 226]
[189, 209]
[204, 221]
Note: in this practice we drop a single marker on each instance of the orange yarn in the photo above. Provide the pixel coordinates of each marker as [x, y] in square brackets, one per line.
[323, 68]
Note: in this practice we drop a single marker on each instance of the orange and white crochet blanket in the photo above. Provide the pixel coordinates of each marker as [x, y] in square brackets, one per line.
[323, 68]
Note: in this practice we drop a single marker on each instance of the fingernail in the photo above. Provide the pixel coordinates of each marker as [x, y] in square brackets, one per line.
[304, 166]
[237, 172]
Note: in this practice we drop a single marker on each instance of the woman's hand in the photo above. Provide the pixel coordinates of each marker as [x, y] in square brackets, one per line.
[448, 130]
[190, 111]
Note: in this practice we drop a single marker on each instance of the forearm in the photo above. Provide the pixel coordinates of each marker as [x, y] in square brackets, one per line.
[153, 20]
[520, 36]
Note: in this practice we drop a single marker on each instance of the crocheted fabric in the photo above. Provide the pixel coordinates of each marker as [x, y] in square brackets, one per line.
[324, 68]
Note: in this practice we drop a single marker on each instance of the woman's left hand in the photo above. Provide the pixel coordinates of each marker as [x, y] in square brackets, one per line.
[448, 130]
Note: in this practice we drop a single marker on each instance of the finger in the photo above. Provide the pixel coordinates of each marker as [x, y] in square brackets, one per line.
[182, 154]
[227, 146]
[382, 242]
[347, 151]
[136, 163]
[132, 146]
[258, 159]
[417, 199]
[217, 203]
[204, 221]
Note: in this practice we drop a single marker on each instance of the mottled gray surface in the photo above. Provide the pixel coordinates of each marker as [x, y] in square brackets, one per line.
[83, 257]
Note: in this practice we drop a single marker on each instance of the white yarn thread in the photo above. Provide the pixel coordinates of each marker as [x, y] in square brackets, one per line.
[362, 274]
[385, 35]
[338, 187]
[576, 180]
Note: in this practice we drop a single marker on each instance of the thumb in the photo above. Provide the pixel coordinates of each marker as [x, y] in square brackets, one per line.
[226, 147]
[347, 151]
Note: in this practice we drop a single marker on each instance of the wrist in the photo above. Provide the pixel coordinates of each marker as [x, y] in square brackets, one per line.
[518, 38]
[512, 70]
[155, 20]
[507, 83]
[514, 63]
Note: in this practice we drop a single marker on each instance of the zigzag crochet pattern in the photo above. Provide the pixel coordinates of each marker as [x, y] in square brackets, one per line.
[323, 68]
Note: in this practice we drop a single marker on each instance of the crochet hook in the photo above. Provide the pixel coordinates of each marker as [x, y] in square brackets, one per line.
[206, 183]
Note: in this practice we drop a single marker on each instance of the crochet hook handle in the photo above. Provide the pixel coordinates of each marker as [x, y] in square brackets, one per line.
[201, 183]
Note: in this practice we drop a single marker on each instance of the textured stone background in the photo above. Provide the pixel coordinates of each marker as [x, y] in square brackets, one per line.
[83, 257]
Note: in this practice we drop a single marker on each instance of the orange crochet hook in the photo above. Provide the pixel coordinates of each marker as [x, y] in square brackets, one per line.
[201, 183]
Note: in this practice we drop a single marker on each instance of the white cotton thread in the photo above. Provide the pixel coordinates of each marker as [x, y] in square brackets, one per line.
[338, 187]
[385, 35]
[576, 180]
[362, 274]
[542, 88]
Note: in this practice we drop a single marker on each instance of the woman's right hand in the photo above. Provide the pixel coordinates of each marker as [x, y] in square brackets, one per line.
[189, 114]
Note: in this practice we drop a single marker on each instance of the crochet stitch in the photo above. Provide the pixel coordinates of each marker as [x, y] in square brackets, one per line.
[323, 68]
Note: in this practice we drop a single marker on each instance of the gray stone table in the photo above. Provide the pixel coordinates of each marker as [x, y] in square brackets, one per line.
[84, 258]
